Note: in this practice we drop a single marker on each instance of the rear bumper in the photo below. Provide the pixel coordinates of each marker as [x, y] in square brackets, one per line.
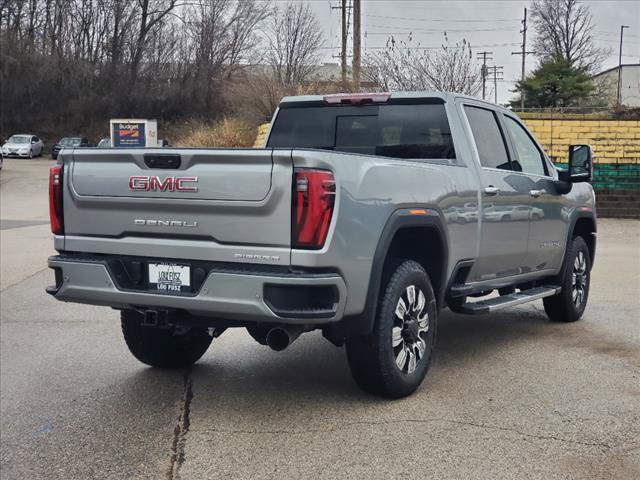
[238, 296]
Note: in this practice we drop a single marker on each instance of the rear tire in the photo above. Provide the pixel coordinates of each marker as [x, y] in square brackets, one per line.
[570, 303]
[174, 347]
[393, 360]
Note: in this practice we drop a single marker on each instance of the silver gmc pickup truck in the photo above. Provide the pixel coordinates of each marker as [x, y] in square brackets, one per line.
[364, 216]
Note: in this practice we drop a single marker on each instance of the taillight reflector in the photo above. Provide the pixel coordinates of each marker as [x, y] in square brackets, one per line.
[314, 196]
[55, 200]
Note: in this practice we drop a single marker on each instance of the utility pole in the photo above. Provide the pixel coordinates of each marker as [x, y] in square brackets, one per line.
[343, 53]
[344, 8]
[524, 54]
[619, 96]
[356, 45]
[496, 74]
[485, 56]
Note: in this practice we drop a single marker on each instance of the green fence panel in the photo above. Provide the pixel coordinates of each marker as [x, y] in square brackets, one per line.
[614, 176]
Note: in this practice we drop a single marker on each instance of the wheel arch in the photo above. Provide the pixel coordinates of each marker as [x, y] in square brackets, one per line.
[585, 227]
[415, 233]
[582, 224]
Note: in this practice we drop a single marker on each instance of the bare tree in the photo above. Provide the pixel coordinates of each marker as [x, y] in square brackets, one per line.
[71, 64]
[564, 28]
[223, 33]
[151, 13]
[405, 66]
[295, 40]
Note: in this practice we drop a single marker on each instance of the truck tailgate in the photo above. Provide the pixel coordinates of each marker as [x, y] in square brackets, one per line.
[220, 205]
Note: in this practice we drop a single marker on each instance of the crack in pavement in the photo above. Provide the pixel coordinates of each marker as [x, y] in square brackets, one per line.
[180, 431]
[604, 446]
[24, 279]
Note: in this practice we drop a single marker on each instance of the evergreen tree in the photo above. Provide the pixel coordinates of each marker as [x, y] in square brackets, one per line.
[555, 83]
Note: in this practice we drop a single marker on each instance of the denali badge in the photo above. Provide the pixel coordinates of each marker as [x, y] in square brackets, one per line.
[145, 183]
[252, 256]
[165, 223]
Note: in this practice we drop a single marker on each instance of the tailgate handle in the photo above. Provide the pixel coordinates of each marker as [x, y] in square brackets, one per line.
[162, 160]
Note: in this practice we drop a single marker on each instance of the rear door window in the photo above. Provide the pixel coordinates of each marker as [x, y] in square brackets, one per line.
[488, 137]
[418, 131]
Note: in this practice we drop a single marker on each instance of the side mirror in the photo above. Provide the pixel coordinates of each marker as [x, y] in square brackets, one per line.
[580, 163]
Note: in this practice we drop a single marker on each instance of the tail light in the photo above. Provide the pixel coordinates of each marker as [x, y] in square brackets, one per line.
[313, 201]
[55, 200]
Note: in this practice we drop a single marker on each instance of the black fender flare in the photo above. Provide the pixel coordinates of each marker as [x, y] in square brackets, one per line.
[583, 212]
[406, 217]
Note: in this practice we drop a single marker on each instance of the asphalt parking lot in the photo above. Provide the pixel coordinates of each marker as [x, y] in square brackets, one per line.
[509, 395]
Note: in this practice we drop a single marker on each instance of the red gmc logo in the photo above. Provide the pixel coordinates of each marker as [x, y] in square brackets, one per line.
[144, 183]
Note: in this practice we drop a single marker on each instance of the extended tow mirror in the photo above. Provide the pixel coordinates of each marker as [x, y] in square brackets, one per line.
[580, 163]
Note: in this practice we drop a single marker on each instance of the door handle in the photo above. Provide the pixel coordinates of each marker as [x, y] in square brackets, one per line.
[536, 193]
[491, 190]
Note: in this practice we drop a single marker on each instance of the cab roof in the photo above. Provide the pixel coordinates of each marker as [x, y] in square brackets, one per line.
[444, 96]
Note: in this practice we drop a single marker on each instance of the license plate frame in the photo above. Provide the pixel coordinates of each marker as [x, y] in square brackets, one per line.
[167, 277]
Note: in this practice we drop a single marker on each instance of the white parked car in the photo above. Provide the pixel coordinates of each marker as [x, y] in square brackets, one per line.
[23, 145]
[498, 213]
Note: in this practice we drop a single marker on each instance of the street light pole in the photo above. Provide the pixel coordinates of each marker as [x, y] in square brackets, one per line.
[619, 95]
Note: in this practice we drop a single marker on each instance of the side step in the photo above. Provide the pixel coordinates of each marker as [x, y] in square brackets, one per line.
[513, 299]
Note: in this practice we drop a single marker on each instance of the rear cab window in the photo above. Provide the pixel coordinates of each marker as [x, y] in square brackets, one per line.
[488, 137]
[416, 130]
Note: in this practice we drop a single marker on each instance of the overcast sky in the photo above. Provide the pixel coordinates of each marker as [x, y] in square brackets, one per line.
[489, 25]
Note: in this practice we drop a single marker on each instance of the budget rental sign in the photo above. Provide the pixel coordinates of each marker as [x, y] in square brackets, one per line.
[128, 134]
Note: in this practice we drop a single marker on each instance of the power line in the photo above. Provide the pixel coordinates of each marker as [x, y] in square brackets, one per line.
[440, 20]
[615, 40]
[439, 47]
[437, 30]
[609, 34]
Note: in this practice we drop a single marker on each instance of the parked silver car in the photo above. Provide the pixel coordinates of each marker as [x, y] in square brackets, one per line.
[23, 145]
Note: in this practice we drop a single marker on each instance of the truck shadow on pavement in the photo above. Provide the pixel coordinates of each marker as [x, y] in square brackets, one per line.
[313, 368]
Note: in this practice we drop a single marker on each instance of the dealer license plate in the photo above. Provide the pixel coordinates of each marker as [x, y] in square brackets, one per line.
[167, 277]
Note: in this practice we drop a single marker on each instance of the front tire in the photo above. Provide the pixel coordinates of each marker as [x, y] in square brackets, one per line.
[174, 347]
[393, 360]
[570, 303]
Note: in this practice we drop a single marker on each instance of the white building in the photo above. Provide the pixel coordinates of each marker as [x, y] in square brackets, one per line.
[630, 88]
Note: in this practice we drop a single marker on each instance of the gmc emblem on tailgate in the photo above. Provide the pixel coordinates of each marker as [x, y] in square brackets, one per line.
[145, 183]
